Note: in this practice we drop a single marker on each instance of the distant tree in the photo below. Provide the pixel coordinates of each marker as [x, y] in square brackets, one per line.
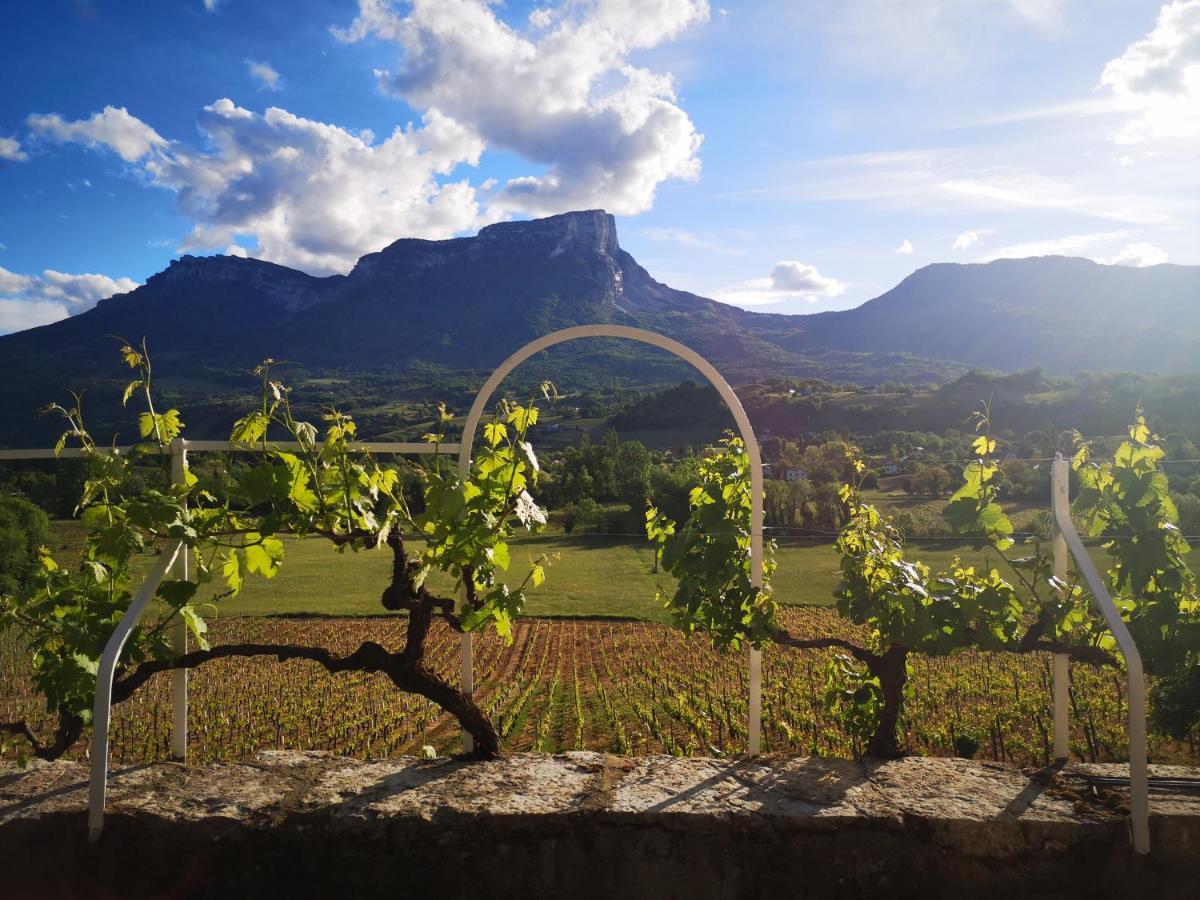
[1025, 481]
[828, 510]
[1189, 513]
[51, 486]
[784, 502]
[671, 485]
[633, 473]
[23, 529]
[932, 480]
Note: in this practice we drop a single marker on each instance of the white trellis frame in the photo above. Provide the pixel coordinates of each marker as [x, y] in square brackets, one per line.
[754, 726]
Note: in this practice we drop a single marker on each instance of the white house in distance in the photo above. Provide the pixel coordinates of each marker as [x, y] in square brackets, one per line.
[795, 474]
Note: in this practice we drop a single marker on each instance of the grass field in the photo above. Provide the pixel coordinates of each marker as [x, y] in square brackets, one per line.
[592, 575]
[589, 576]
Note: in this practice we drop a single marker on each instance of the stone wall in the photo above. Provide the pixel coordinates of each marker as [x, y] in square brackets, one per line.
[588, 825]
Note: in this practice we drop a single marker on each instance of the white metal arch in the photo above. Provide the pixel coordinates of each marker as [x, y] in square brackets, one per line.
[687, 354]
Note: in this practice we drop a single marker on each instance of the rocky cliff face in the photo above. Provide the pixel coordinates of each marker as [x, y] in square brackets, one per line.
[279, 286]
[587, 240]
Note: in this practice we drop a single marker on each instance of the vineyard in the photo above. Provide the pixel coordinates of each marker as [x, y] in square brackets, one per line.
[625, 687]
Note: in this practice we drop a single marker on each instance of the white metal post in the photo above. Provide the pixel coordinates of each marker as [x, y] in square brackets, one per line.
[1062, 687]
[757, 564]
[467, 651]
[179, 677]
[754, 741]
[1060, 497]
[102, 705]
[1139, 788]
[466, 642]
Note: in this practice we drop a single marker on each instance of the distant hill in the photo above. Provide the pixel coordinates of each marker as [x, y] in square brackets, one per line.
[1060, 313]
[436, 308]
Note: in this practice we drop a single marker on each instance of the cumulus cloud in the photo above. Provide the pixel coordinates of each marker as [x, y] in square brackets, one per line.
[905, 248]
[1159, 77]
[607, 132]
[18, 315]
[1137, 255]
[789, 280]
[10, 149]
[266, 76]
[27, 301]
[800, 278]
[114, 128]
[596, 129]
[312, 195]
[210, 5]
[965, 240]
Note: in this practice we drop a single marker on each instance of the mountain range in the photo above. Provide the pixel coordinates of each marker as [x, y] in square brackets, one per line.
[466, 303]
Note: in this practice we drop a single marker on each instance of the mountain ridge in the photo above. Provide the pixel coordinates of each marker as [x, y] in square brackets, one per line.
[466, 303]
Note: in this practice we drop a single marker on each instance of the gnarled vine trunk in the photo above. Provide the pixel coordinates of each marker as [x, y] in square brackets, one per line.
[892, 671]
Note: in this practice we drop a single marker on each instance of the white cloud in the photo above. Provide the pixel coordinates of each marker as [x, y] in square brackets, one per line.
[12, 283]
[542, 17]
[987, 179]
[115, 128]
[607, 132]
[922, 39]
[800, 278]
[27, 301]
[965, 240]
[80, 292]
[1068, 245]
[18, 315]
[687, 239]
[210, 5]
[1056, 112]
[266, 77]
[905, 249]
[789, 280]
[10, 149]
[1112, 248]
[312, 195]
[1159, 77]
[1137, 255]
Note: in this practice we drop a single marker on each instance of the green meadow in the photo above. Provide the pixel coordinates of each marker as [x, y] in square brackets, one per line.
[587, 576]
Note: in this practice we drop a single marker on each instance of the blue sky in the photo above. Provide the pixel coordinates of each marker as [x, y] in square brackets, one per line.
[789, 156]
